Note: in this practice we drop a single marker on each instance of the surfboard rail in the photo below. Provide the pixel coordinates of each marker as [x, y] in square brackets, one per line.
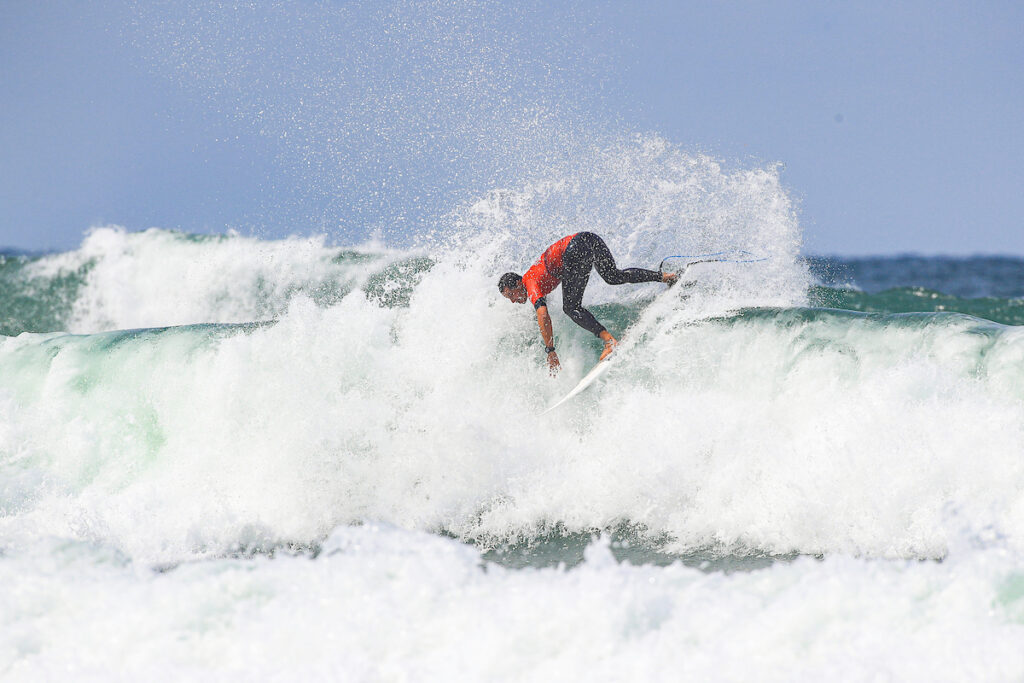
[588, 379]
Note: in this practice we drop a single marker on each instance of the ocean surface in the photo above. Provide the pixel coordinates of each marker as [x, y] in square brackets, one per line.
[228, 458]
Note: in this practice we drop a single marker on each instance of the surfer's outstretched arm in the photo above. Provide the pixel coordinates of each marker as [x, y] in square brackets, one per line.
[544, 322]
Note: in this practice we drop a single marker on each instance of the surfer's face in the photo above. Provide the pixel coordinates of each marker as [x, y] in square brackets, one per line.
[516, 295]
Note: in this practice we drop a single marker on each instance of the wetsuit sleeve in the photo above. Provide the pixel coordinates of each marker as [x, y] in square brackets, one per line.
[539, 302]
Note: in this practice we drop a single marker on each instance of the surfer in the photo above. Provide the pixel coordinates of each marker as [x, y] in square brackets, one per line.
[569, 261]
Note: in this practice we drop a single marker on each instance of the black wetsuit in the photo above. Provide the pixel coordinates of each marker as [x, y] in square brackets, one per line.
[586, 251]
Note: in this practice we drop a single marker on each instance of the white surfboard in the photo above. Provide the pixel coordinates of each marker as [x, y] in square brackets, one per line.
[588, 379]
[603, 365]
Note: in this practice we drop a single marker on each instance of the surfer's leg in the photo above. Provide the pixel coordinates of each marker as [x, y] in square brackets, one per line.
[574, 283]
[604, 264]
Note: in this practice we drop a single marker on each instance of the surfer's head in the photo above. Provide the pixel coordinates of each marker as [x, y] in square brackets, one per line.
[512, 288]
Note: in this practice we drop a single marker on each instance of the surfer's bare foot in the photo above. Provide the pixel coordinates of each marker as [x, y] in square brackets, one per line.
[669, 278]
[609, 344]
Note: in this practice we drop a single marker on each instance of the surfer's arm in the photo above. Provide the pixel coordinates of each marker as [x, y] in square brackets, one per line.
[544, 322]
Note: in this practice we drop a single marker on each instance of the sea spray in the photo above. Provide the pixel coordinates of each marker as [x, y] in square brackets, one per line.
[648, 199]
[384, 115]
[645, 197]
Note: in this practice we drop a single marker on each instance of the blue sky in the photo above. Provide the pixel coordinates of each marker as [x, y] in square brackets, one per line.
[898, 124]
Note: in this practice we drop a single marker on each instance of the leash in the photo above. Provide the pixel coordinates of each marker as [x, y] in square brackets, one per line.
[705, 258]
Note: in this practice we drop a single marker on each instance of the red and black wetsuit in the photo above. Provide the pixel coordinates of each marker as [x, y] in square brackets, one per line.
[569, 261]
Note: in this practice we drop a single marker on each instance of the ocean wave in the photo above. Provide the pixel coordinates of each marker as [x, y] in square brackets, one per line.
[196, 396]
[646, 197]
[119, 279]
[1008, 311]
[773, 431]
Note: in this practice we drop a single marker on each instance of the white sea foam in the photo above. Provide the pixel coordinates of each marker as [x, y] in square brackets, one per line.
[838, 433]
[160, 277]
[384, 604]
[648, 199]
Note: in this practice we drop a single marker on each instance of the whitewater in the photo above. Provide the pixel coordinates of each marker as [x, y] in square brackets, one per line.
[227, 457]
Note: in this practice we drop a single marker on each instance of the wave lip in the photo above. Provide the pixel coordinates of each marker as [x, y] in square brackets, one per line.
[156, 278]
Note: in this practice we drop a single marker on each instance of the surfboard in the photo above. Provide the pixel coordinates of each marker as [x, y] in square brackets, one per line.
[588, 379]
[601, 367]
[674, 290]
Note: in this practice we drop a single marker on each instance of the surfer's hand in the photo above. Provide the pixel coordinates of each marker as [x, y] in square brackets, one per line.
[553, 365]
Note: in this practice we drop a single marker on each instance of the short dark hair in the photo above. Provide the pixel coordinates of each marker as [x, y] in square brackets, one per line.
[509, 281]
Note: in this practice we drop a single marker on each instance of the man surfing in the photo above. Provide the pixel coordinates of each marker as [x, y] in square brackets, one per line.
[568, 262]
